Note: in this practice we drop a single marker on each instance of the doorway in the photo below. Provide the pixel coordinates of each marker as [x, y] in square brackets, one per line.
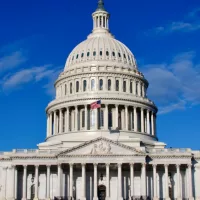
[102, 192]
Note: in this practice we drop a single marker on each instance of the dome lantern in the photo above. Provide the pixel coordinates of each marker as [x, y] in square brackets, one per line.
[101, 17]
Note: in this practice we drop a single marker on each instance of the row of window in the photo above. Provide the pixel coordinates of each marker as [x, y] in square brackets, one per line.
[101, 54]
[139, 88]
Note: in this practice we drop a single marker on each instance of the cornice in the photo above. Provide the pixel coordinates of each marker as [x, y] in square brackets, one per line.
[76, 101]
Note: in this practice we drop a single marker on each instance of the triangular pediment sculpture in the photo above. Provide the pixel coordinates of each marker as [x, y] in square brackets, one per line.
[101, 146]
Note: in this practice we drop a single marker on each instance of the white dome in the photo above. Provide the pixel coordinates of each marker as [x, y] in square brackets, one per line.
[101, 47]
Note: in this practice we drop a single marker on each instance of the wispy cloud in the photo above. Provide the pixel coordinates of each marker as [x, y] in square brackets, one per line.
[31, 75]
[11, 61]
[190, 22]
[174, 85]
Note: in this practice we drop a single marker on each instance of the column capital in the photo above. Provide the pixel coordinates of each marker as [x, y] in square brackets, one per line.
[131, 164]
[83, 164]
[178, 165]
[36, 166]
[5, 167]
[25, 166]
[107, 164]
[189, 165]
[95, 164]
[71, 164]
[119, 164]
[48, 166]
[154, 165]
[59, 164]
[143, 164]
[166, 165]
[116, 105]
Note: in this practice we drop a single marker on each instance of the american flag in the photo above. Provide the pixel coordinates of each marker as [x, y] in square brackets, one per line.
[95, 105]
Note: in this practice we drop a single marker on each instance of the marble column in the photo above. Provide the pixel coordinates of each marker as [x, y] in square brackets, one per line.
[155, 197]
[132, 178]
[86, 117]
[4, 181]
[152, 123]
[142, 120]
[190, 192]
[50, 125]
[178, 182]
[166, 182]
[76, 118]
[25, 183]
[117, 116]
[83, 181]
[36, 181]
[135, 120]
[107, 181]
[16, 182]
[106, 117]
[48, 122]
[54, 123]
[126, 117]
[120, 181]
[143, 179]
[59, 180]
[67, 120]
[60, 121]
[71, 181]
[95, 182]
[148, 122]
[48, 182]
[11, 181]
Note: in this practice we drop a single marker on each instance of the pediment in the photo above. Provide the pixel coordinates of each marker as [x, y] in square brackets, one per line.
[101, 147]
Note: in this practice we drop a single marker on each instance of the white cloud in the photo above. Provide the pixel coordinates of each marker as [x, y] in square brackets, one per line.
[32, 75]
[191, 22]
[11, 61]
[174, 85]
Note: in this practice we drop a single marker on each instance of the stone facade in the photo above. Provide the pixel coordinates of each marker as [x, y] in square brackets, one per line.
[108, 153]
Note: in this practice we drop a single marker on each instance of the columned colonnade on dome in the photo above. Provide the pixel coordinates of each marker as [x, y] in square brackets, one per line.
[120, 117]
[11, 175]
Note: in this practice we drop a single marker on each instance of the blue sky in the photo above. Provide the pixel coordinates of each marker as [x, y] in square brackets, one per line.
[36, 37]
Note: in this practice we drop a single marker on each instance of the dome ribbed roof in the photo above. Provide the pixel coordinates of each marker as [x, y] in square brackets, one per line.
[101, 48]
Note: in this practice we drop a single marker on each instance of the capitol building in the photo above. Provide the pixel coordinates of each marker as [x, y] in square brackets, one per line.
[101, 141]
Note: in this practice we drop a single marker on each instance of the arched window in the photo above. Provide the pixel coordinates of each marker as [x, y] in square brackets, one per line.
[136, 88]
[101, 53]
[124, 86]
[88, 54]
[113, 53]
[83, 119]
[82, 55]
[65, 89]
[92, 84]
[109, 84]
[77, 56]
[107, 53]
[100, 84]
[77, 86]
[70, 88]
[94, 53]
[119, 54]
[84, 85]
[117, 85]
[131, 87]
